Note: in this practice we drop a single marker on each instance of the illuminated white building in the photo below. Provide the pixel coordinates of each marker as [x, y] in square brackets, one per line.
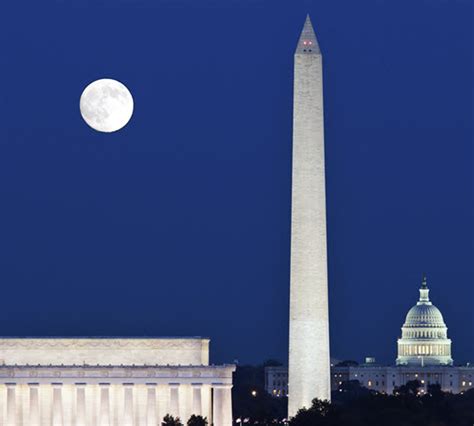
[382, 378]
[309, 317]
[424, 338]
[111, 382]
[424, 354]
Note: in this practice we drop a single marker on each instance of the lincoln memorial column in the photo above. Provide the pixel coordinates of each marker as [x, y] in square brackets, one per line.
[151, 419]
[11, 404]
[34, 419]
[222, 408]
[197, 398]
[80, 404]
[104, 414]
[128, 404]
[174, 399]
[57, 404]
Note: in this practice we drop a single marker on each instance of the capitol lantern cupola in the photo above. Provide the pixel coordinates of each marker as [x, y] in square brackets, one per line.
[424, 338]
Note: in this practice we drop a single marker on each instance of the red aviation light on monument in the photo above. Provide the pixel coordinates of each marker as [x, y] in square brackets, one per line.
[307, 43]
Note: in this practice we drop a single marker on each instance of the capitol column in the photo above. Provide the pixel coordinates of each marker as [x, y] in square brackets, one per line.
[197, 398]
[151, 418]
[174, 399]
[34, 419]
[57, 404]
[104, 414]
[128, 404]
[11, 404]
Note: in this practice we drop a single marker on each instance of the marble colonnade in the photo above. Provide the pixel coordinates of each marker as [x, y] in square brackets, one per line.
[114, 396]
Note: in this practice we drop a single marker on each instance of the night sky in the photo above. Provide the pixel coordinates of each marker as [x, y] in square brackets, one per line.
[179, 224]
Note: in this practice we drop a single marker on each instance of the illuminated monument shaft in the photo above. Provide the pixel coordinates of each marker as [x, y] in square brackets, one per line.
[309, 365]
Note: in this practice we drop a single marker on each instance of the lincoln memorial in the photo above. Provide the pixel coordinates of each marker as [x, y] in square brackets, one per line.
[111, 382]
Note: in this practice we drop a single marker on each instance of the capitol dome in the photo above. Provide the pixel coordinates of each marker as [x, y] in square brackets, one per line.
[424, 338]
[424, 316]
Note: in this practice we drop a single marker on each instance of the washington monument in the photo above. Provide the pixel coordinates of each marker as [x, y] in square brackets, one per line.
[309, 368]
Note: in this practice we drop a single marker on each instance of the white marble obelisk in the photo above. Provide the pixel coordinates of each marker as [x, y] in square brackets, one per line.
[309, 365]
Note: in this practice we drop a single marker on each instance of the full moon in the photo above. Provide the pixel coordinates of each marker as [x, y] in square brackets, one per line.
[106, 105]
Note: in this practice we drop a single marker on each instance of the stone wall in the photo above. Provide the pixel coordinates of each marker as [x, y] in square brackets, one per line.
[104, 351]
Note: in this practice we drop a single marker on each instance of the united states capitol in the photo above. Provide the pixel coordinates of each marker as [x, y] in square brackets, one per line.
[424, 354]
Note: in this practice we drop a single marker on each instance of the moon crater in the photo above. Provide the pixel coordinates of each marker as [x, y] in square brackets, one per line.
[106, 105]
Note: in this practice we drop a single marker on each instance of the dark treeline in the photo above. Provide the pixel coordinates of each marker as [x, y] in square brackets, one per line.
[194, 420]
[357, 406]
[352, 405]
[249, 398]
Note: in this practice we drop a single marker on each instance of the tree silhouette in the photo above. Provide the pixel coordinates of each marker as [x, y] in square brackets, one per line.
[407, 408]
[197, 421]
[169, 420]
[410, 388]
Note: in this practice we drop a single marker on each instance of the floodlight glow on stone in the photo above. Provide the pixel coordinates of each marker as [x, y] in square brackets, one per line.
[106, 105]
[309, 361]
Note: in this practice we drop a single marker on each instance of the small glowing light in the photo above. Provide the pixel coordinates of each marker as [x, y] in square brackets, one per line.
[254, 393]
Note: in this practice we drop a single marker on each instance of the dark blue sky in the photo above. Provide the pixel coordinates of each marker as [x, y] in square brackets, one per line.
[179, 224]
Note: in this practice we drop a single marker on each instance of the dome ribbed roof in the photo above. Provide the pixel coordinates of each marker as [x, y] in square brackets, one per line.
[424, 315]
